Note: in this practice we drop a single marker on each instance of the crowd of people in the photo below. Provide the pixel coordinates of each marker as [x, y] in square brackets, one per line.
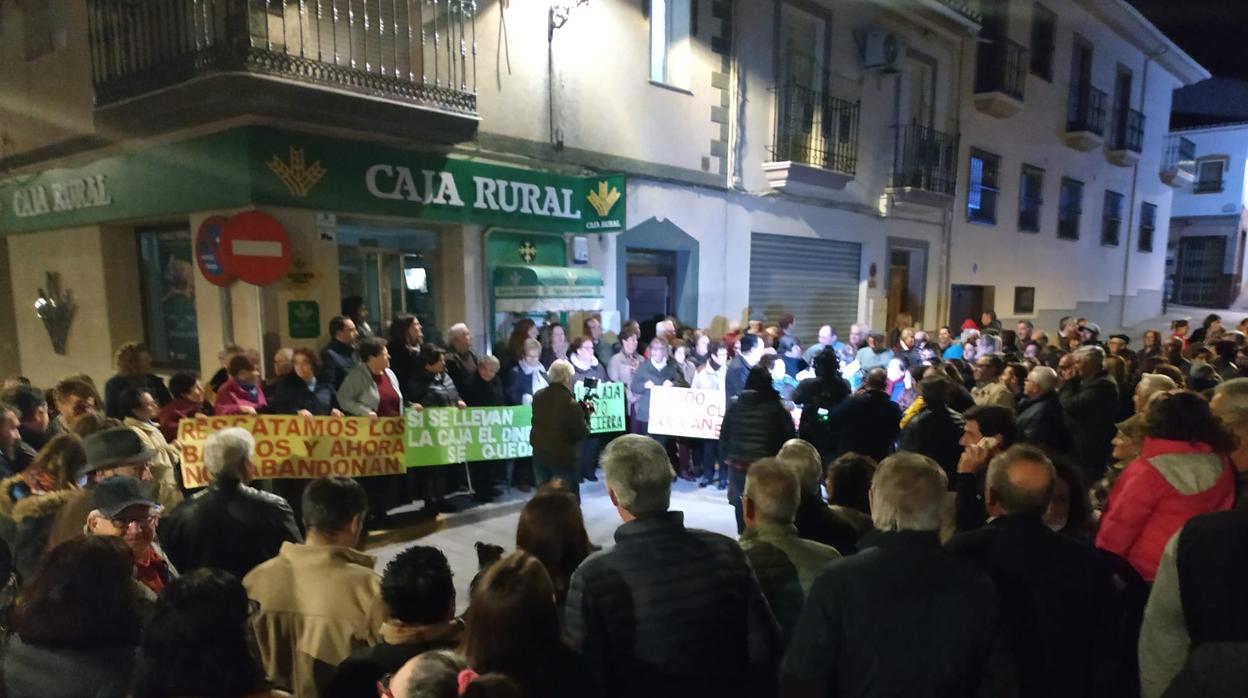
[987, 512]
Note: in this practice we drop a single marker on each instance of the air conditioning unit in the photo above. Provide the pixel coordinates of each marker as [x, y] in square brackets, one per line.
[883, 50]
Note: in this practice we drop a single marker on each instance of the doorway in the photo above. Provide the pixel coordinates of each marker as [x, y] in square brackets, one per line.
[650, 284]
[907, 280]
[392, 271]
[968, 302]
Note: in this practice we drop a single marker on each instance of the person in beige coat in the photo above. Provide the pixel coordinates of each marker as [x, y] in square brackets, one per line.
[320, 600]
[989, 389]
[141, 410]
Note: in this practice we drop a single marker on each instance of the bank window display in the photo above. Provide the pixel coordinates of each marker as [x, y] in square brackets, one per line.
[167, 278]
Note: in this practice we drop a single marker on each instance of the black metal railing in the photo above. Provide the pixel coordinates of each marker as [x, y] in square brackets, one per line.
[1180, 155]
[1085, 110]
[422, 51]
[816, 125]
[1001, 66]
[966, 8]
[926, 159]
[1128, 130]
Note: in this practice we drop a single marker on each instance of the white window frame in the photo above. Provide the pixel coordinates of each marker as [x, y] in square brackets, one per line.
[670, 45]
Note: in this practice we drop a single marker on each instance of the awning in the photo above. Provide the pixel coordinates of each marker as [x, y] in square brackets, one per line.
[520, 288]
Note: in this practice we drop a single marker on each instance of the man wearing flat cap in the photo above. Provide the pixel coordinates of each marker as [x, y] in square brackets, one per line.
[1116, 344]
[123, 507]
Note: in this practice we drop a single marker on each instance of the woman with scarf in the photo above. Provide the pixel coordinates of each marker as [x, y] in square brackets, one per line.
[299, 392]
[241, 394]
[188, 402]
[528, 375]
[585, 365]
[54, 468]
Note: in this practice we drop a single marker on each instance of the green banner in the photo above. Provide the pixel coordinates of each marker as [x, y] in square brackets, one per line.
[608, 407]
[442, 435]
[269, 166]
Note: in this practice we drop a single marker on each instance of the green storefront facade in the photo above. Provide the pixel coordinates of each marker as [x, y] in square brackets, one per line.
[516, 218]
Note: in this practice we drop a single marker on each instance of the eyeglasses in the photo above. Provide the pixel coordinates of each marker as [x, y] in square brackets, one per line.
[146, 521]
[253, 607]
[383, 686]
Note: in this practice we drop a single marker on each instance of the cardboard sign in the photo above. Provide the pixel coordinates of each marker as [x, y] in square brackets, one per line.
[608, 407]
[441, 435]
[290, 446]
[686, 412]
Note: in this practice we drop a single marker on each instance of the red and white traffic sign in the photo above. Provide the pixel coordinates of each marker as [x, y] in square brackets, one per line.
[255, 248]
[208, 251]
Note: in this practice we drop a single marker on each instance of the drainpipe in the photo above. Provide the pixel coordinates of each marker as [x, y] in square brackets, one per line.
[1131, 215]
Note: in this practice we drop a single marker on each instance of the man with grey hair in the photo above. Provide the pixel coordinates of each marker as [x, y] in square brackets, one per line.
[1230, 404]
[902, 617]
[815, 521]
[1150, 384]
[1040, 420]
[461, 362]
[1055, 593]
[228, 525]
[669, 611]
[786, 564]
[1090, 402]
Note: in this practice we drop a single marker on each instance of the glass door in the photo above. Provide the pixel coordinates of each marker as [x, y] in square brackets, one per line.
[393, 272]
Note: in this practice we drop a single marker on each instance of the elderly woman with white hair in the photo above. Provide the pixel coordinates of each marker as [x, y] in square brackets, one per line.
[560, 424]
[230, 525]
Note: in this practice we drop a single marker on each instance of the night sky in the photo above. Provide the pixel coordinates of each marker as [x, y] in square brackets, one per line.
[1211, 31]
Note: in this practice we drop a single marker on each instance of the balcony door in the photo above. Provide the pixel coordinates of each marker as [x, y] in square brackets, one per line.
[802, 80]
[919, 102]
[1122, 104]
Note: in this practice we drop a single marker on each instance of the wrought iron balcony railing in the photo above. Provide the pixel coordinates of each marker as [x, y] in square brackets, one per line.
[1001, 66]
[1085, 109]
[817, 127]
[1180, 155]
[926, 159]
[419, 51]
[1128, 131]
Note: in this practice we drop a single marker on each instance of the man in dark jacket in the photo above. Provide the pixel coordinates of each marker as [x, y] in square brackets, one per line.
[869, 420]
[936, 430]
[755, 426]
[559, 427]
[461, 362]
[485, 389]
[1194, 640]
[1090, 401]
[430, 385]
[815, 520]
[229, 525]
[739, 367]
[1040, 420]
[420, 596]
[669, 611]
[339, 357]
[1055, 594]
[818, 396]
[870, 627]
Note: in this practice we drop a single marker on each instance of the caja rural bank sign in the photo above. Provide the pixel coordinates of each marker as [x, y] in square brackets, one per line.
[266, 166]
[345, 176]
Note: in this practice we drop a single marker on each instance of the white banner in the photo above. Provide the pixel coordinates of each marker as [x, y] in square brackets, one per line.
[686, 412]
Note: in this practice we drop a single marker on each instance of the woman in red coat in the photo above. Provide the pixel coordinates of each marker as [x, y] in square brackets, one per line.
[1182, 472]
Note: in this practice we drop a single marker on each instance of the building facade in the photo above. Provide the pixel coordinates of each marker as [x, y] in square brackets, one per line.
[476, 161]
[1209, 223]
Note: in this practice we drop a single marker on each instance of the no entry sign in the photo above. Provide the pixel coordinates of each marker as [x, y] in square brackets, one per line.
[255, 248]
[208, 251]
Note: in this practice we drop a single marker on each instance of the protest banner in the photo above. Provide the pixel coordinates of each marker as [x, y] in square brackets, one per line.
[290, 446]
[608, 407]
[440, 435]
[686, 412]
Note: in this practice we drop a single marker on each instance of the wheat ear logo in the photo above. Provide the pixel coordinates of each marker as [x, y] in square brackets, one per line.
[603, 198]
[298, 176]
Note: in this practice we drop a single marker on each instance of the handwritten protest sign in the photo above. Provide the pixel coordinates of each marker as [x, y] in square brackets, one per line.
[440, 435]
[608, 407]
[686, 412]
[290, 446]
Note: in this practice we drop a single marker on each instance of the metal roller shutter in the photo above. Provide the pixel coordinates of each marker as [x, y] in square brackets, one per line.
[815, 279]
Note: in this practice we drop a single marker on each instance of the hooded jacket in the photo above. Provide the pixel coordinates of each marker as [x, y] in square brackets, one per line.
[1171, 482]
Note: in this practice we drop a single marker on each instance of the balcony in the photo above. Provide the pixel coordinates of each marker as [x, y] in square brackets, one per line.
[1000, 78]
[1128, 138]
[405, 67]
[1179, 167]
[815, 151]
[925, 167]
[1085, 117]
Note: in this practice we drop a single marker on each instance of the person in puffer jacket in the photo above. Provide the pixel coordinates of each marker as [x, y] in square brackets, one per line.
[1181, 473]
[755, 426]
